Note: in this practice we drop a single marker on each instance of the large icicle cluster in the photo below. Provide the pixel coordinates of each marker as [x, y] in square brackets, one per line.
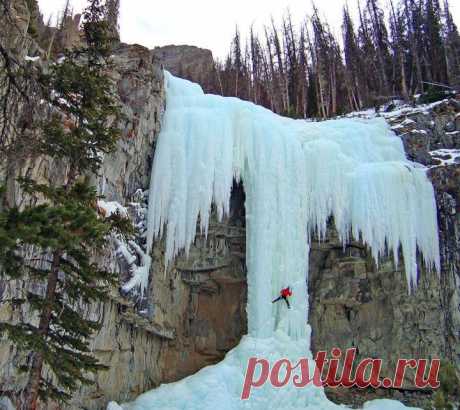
[296, 175]
[354, 170]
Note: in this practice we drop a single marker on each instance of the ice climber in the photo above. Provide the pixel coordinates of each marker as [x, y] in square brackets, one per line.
[284, 294]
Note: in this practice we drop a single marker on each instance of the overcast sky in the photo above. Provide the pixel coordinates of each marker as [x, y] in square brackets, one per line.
[209, 23]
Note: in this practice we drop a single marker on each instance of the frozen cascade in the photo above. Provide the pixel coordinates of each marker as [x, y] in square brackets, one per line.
[296, 175]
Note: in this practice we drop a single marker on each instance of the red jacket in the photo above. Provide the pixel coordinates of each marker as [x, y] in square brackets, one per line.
[286, 292]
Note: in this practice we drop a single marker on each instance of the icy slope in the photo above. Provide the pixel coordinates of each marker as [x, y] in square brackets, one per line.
[296, 175]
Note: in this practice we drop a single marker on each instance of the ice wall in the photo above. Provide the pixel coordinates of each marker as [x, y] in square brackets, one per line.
[296, 175]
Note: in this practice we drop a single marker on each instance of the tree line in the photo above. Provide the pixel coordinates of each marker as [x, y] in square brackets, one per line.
[413, 48]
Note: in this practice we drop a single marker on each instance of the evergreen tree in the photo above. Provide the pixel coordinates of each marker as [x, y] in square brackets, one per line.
[62, 228]
[328, 68]
[381, 44]
[279, 68]
[452, 40]
[291, 67]
[373, 78]
[312, 97]
[398, 48]
[256, 65]
[237, 58]
[435, 56]
[113, 14]
[353, 62]
[303, 74]
[414, 22]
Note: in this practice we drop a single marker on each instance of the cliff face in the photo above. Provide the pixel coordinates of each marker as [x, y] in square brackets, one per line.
[203, 297]
[125, 342]
[190, 62]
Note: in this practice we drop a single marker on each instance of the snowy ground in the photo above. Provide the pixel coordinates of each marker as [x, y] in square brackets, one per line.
[446, 156]
[401, 108]
[296, 175]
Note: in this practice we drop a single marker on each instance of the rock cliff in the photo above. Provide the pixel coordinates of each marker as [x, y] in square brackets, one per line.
[190, 62]
[125, 341]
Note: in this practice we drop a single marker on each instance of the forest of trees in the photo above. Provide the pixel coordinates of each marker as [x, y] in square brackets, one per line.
[411, 48]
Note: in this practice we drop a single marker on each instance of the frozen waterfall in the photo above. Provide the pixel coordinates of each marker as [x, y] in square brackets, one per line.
[296, 175]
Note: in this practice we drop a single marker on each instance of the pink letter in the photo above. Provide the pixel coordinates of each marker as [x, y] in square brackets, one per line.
[320, 361]
[274, 376]
[346, 380]
[373, 380]
[331, 378]
[432, 379]
[303, 380]
[248, 380]
[401, 369]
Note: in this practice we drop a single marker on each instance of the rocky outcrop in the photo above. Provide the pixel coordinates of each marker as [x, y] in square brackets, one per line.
[139, 80]
[203, 297]
[23, 19]
[190, 62]
[128, 342]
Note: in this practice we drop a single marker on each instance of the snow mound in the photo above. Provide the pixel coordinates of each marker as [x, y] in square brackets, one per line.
[385, 404]
[114, 406]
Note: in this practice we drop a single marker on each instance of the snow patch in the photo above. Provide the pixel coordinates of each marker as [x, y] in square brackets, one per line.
[385, 404]
[114, 406]
[110, 208]
[135, 257]
[403, 110]
[140, 274]
[408, 121]
[33, 59]
[446, 157]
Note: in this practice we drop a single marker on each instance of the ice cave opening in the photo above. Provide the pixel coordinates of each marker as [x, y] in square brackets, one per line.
[296, 175]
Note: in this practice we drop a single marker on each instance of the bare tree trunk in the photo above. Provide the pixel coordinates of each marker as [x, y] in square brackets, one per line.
[31, 392]
[414, 52]
[273, 81]
[219, 80]
[50, 46]
[236, 83]
[404, 90]
[279, 58]
[333, 90]
[320, 94]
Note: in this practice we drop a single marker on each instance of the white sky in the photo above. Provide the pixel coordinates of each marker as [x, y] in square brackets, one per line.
[210, 23]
